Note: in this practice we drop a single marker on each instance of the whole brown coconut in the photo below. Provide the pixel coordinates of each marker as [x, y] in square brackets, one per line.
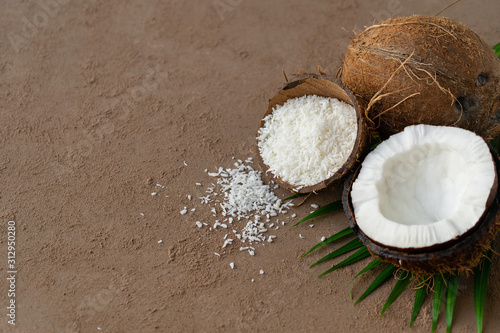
[424, 70]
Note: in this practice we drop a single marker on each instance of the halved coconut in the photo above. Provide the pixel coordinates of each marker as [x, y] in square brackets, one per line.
[426, 199]
[311, 134]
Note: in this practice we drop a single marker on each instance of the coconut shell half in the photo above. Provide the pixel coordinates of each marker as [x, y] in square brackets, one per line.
[324, 86]
[461, 254]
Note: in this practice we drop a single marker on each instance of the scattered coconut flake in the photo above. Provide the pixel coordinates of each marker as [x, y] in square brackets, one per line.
[160, 241]
[253, 280]
[227, 242]
[314, 206]
[199, 224]
[311, 225]
[142, 214]
[294, 215]
[185, 163]
[154, 193]
[198, 184]
[300, 235]
[261, 272]
[189, 196]
[242, 199]
[184, 211]
[231, 264]
[323, 238]
[217, 254]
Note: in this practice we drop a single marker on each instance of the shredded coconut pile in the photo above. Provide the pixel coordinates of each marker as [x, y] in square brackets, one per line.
[308, 138]
[244, 204]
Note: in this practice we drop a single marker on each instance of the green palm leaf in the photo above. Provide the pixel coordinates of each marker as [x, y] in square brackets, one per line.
[374, 263]
[338, 235]
[451, 297]
[399, 287]
[386, 273]
[357, 256]
[497, 49]
[496, 145]
[481, 275]
[439, 289]
[419, 300]
[376, 140]
[296, 195]
[331, 207]
[352, 245]
[369, 267]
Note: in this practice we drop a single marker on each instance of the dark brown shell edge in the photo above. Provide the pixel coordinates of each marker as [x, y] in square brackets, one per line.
[461, 254]
[309, 84]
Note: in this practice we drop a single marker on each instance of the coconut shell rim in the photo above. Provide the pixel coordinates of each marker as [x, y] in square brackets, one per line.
[486, 225]
[358, 143]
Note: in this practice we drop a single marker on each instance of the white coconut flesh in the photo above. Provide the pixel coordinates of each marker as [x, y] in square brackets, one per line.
[308, 139]
[424, 186]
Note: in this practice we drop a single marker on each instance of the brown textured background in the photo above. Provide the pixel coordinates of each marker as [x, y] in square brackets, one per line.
[101, 100]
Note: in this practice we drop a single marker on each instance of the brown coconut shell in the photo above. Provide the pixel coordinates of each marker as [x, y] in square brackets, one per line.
[325, 86]
[460, 254]
[424, 70]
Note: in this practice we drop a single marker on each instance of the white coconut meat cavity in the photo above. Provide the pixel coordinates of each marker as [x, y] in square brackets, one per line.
[425, 186]
[308, 139]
